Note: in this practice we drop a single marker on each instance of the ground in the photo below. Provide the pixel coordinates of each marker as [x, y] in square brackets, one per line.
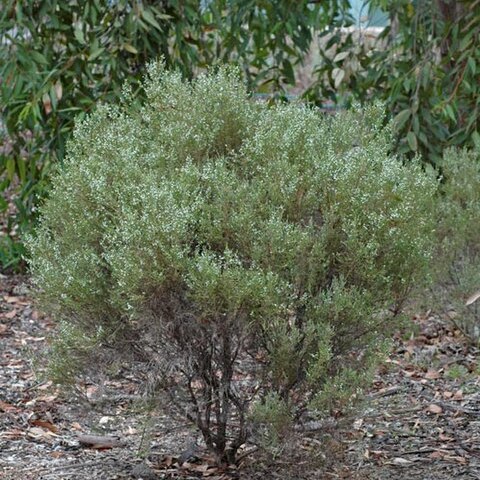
[420, 418]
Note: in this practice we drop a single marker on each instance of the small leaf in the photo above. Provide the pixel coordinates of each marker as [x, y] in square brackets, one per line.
[148, 16]
[47, 104]
[130, 48]
[79, 35]
[450, 112]
[401, 118]
[288, 71]
[58, 90]
[412, 141]
[95, 54]
[338, 74]
[476, 139]
[341, 56]
[3, 205]
[472, 65]
[38, 57]
[10, 168]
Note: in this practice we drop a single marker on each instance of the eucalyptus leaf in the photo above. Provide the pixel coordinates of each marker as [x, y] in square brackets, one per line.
[412, 141]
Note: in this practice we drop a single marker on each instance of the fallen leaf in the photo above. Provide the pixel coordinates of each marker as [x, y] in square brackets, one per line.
[447, 394]
[7, 407]
[11, 314]
[433, 408]
[76, 426]
[473, 298]
[432, 374]
[46, 385]
[168, 461]
[45, 424]
[3, 328]
[38, 433]
[10, 299]
[458, 395]
[46, 398]
[401, 461]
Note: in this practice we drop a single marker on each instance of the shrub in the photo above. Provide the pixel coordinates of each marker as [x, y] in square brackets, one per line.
[251, 256]
[458, 275]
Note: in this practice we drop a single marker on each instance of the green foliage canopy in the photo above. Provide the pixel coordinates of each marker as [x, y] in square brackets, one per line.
[424, 65]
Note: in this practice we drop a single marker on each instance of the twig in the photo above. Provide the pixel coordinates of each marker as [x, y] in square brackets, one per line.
[400, 411]
[457, 408]
[427, 450]
[67, 466]
[386, 393]
[246, 454]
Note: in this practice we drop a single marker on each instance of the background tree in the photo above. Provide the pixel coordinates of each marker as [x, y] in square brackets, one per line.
[424, 65]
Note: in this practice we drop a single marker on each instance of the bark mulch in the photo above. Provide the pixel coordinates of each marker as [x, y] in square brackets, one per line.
[420, 419]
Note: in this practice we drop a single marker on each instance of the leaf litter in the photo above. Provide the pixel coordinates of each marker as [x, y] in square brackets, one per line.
[420, 419]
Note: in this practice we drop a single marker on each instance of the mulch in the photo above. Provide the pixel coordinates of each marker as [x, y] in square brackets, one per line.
[420, 418]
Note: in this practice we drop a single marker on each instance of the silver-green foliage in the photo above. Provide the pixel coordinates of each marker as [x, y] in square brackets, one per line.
[247, 252]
